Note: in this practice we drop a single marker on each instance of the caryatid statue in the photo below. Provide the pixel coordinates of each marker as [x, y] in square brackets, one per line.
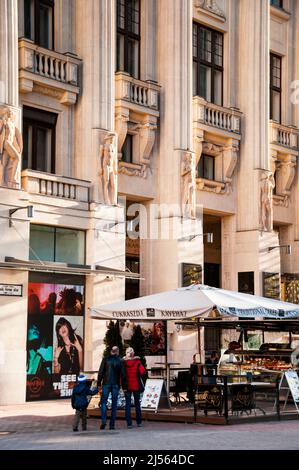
[188, 184]
[267, 184]
[108, 169]
[11, 147]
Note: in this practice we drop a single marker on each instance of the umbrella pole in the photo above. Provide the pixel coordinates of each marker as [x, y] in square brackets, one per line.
[198, 339]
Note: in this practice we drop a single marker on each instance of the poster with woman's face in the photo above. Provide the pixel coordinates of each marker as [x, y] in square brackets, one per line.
[67, 353]
[54, 339]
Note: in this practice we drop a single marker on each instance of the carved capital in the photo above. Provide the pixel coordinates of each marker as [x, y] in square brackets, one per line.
[121, 127]
[287, 174]
[147, 135]
[198, 139]
[230, 159]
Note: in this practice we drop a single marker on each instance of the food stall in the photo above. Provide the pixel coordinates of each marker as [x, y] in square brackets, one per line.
[240, 362]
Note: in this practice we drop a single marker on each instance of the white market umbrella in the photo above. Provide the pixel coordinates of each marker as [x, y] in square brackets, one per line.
[196, 301]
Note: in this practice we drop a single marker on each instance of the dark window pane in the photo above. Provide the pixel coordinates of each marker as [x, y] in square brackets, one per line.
[43, 149]
[57, 244]
[28, 19]
[206, 167]
[39, 139]
[205, 82]
[128, 36]
[27, 150]
[121, 14]
[120, 64]
[207, 63]
[277, 3]
[70, 246]
[45, 26]
[133, 55]
[127, 149]
[275, 87]
[42, 243]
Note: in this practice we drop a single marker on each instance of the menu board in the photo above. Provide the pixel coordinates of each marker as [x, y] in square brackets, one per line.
[293, 383]
[152, 393]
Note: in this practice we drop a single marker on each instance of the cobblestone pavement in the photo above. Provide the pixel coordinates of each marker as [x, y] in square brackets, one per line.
[48, 425]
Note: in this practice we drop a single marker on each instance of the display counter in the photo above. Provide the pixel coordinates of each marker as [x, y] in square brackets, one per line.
[272, 362]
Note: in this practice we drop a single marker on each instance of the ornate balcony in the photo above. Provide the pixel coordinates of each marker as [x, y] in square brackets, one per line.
[136, 112]
[227, 121]
[142, 96]
[48, 72]
[74, 192]
[284, 138]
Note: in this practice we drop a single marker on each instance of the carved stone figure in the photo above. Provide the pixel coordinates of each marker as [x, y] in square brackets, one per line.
[108, 170]
[11, 147]
[188, 184]
[267, 185]
[210, 5]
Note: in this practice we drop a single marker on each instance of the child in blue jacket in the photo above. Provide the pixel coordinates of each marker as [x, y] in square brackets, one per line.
[80, 402]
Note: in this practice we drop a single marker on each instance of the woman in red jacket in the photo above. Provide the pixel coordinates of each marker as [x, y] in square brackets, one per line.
[134, 371]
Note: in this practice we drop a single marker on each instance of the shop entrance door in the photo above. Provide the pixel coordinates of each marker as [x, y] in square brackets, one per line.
[212, 274]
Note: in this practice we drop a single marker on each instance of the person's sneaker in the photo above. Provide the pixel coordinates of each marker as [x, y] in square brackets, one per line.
[130, 426]
[75, 429]
[102, 426]
[139, 425]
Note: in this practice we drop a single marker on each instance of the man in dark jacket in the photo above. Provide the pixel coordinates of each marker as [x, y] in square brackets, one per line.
[111, 375]
[80, 401]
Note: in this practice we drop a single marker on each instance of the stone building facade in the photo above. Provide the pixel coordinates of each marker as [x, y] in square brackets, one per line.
[169, 104]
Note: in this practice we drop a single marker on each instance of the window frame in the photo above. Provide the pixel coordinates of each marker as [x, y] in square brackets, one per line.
[201, 166]
[35, 123]
[274, 88]
[127, 34]
[35, 22]
[55, 228]
[211, 65]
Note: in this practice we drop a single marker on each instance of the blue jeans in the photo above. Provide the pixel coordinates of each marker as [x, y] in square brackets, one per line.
[137, 407]
[106, 389]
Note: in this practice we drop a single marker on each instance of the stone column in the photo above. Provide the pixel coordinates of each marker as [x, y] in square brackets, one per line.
[174, 74]
[96, 150]
[254, 218]
[10, 113]
[95, 44]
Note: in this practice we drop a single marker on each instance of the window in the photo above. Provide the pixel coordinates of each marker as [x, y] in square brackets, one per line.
[206, 167]
[57, 244]
[275, 87]
[39, 140]
[127, 149]
[128, 36]
[207, 64]
[132, 285]
[39, 22]
[277, 3]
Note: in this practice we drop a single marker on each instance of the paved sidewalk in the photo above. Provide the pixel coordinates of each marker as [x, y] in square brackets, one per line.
[48, 425]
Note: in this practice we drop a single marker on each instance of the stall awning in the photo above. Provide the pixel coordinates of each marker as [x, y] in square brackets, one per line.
[196, 301]
[63, 268]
